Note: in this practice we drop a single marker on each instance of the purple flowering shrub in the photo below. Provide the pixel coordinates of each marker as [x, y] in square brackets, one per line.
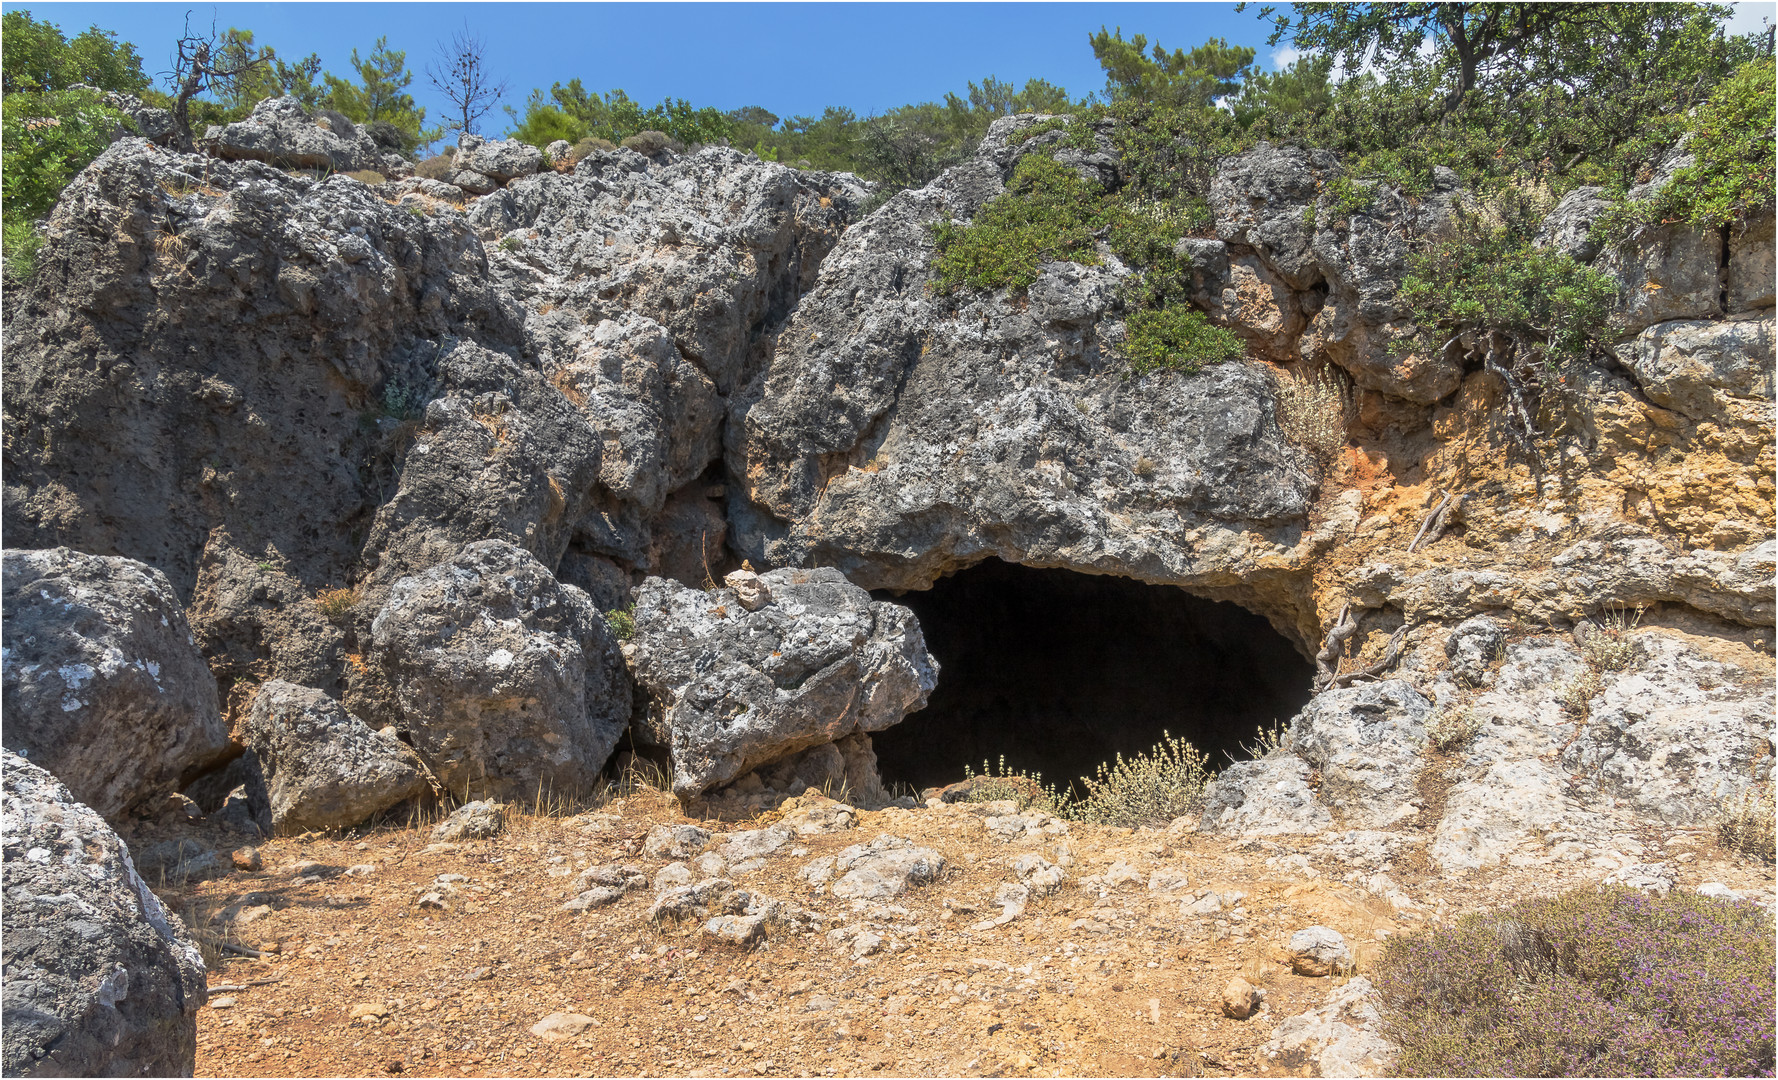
[1605, 982]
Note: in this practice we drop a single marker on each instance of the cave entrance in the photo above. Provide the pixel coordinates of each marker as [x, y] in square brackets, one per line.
[1059, 671]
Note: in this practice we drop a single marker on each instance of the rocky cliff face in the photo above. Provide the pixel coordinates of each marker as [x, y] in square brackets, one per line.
[309, 403]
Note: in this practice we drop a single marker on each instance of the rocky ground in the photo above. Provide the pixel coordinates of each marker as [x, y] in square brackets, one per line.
[384, 951]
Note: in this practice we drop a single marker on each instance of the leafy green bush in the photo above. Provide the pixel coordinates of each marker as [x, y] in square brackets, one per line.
[45, 140]
[622, 622]
[1151, 788]
[1047, 213]
[1176, 338]
[1493, 279]
[1730, 179]
[1597, 982]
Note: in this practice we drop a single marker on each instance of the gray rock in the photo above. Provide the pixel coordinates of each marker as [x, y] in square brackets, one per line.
[625, 879]
[478, 820]
[1364, 256]
[1569, 227]
[1267, 797]
[693, 901]
[730, 689]
[1665, 273]
[1341, 1038]
[754, 843]
[100, 979]
[1474, 647]
[1656, 878]
[1319, 950]
[1675, 734]
[272, 312]
[675, 841]
[1698, 368]
[899, 435]
[281, 132]
[507, 681]
[1368, 741]
[473, 182]
[1262, 198]
[1751, 263]
[887, 866]
[557, 152]
[103, 683]
[323, 767]
[499, 159]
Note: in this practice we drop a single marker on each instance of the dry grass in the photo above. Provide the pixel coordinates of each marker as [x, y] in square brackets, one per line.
[1314, 409]
[1607, 644]
[1746, 823]
[336, 604]
[1452, 728]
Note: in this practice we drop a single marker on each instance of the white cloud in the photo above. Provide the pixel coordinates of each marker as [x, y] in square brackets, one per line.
[1286, 55]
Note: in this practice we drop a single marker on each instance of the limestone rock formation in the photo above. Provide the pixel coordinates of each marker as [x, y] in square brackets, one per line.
[506, 681]
[898, 434]
[281, 132]
[730, 689]
[1368, 742]
[104, 685]
[323, 767]
[100, 979]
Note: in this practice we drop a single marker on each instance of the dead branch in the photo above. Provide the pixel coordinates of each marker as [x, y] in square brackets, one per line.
[1436, 521]
[1391, 654]
[1333, 646]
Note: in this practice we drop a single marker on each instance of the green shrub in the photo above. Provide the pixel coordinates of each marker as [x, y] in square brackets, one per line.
[1176, 338]
[45, 140]
[511, 243]
[647, 142]
[1152, 788]
[622, 622]
[1597, 982]
[1494, 279]
[438, 167]
[1730, 179]
[1048, 213]
[20, 243]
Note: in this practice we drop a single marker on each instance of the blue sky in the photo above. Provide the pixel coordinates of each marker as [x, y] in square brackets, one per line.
[790, 58]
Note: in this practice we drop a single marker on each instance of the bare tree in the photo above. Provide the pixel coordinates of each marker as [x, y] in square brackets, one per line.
[460, 73]
[198, 65]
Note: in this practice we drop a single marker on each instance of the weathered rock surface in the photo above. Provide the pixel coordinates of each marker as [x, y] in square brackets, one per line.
[100, 980]
[1696, 367]
[505, 680]
[1267, 797]
[1338, 1039]
[281, 132]
[1368, 741]
[481, 819]
[887, 866]
[1319, 950]
[325, 768]
[498, 159]
[103, 684]
[731, 689]
[898, 435]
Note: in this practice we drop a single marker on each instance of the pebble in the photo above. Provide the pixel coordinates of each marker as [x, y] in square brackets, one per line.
[1319, 950]
[227, 1001]
[246, 858]
[559, 1027]
[1239, 999]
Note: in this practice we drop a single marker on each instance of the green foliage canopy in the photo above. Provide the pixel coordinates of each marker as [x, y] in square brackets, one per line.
[1178, 78]
[38, 58]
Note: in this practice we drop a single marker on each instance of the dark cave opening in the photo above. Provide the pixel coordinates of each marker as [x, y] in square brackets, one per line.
[1059, 671]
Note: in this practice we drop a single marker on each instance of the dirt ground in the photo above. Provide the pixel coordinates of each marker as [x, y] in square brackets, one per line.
[1106, 977]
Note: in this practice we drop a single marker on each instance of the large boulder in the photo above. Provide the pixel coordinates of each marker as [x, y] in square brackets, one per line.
[1696, 367]
[100, 979]
[104, 685]
[1265, 199]
[498, 159]
[324, 767]
[281, 132]
[505, 680]
[1368, 741]
[1270, 796]
[730, 689]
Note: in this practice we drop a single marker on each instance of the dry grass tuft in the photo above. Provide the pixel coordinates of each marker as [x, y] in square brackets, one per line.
[1314, 410]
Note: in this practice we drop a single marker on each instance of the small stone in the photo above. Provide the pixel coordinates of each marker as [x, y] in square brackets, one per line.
[752, 593]
[480, 820]
[432, 902]
[1239, 999]
[735, 929]
[224, 1002]
[559, 1027]
[246, 858]
[1318, 951]
[374, 1010]
[361, 870]
[866, 944]
[671, 876]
